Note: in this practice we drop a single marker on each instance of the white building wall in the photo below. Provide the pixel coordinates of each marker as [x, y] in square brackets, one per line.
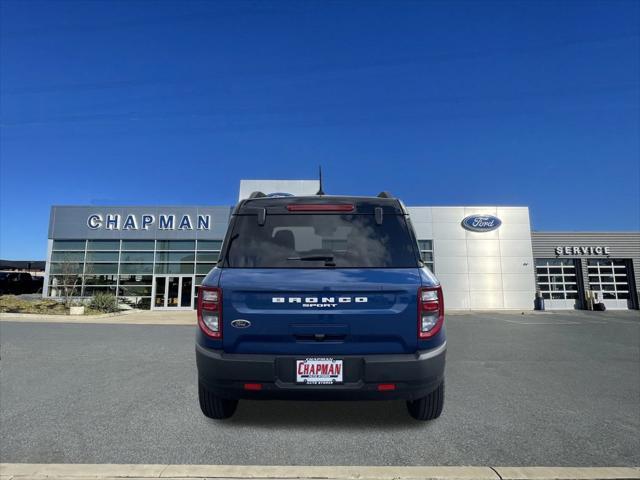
[480, 270]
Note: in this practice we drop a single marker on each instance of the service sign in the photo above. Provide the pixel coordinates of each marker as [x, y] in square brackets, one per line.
[583, 250]
[481, 223]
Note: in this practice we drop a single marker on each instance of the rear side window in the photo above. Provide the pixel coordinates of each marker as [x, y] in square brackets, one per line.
[320, 241]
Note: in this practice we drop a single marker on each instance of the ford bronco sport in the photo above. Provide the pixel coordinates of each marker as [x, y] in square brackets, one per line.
[320, 297]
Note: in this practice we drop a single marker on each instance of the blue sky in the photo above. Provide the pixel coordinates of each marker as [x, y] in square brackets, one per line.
[441, 103]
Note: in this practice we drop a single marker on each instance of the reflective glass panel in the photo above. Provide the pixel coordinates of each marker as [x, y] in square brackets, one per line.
[136, 257]
[102, 256]
[172, 291]
[103, 245]
[129, 291]
[136, 279]
[204, 268]
[67, 256]
[136, 268]
[425, 244]
[66, 268]
[90, 291]
[65, 280]
[176, 245]
[161, 283]
[101, 268]
[68, 244]
[174, 268]
[100, 279]
[209, 245]
[185, 294]
[175, 257]
[138, 244]
[208, 257]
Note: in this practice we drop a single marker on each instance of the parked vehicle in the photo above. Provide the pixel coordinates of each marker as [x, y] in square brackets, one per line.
[320, 297]
[18, 283]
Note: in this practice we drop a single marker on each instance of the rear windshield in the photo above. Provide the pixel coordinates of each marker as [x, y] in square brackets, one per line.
[320, 241]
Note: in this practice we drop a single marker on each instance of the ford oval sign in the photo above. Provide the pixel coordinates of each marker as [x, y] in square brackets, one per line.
[241, 323]
[481, 223]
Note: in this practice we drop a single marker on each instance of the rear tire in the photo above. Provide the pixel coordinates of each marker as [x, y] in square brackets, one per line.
[429, 407]
[214, 406]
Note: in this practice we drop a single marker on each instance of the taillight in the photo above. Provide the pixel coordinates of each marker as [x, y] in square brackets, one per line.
[210, 311]
[430, 311]
[320, 207]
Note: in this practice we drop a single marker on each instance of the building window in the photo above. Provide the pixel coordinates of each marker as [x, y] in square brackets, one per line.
[426, 253]
[125, 268]
[608, 278]
[557, 279]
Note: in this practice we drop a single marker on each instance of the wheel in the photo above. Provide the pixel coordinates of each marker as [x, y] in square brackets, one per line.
[429, 407]
[214, 406]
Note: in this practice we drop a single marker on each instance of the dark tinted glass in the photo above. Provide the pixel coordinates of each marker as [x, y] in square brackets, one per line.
[103, 245]
[425, 244]
[67, 256]
[209, 244]
[140, 257]
[138, 268]
[68, 244]
[176, 245]
[135, 279]
[102, 256]
[137, 244]
[101, 268]
[100, 279]
[207, 257]
[321, 241]
[174, 268]
[175, 256]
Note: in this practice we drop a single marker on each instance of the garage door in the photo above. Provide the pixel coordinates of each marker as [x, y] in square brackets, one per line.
[558, 283]
[610, 280]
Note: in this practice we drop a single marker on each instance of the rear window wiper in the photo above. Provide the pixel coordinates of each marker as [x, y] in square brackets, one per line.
[327, 259]
[313, 258]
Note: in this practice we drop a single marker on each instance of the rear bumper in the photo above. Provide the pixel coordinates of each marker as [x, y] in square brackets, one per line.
[414, 375]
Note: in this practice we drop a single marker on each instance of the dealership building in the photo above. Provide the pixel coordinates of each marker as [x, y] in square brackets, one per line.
[486, 257]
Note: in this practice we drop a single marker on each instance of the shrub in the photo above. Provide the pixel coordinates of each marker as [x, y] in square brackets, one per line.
[104, 302]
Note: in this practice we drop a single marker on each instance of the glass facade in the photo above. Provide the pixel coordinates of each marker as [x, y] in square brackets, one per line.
[426, 252]
[609, 278]
[127, 268]
[557, 278]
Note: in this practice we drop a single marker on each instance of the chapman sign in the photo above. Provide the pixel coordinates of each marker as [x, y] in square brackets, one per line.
[144, 222]
[582, 250]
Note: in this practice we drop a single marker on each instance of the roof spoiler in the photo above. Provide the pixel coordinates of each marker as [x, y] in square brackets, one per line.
[258, 194]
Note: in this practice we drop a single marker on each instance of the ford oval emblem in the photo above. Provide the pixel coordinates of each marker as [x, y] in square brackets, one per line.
[241, 323]
[481, 223]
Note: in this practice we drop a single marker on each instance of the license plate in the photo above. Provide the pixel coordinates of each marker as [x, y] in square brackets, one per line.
[319, 371]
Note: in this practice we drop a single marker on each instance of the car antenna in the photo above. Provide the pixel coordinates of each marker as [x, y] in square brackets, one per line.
[320, 191]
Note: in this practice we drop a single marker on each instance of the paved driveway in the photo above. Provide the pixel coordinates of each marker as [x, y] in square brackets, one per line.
[535, 389]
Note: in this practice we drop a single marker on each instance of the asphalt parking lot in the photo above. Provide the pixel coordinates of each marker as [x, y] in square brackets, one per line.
[535, 389]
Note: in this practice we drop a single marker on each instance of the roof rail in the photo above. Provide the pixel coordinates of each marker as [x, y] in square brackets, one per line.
[256, 195]
[385, 194]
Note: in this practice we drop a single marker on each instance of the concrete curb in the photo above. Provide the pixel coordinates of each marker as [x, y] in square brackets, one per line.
[127, 317]
[24, 471]
[42, 316]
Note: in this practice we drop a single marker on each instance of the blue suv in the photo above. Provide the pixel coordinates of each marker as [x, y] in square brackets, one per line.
[320, 297]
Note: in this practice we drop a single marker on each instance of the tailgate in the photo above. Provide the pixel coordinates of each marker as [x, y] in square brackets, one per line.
[320, 311]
